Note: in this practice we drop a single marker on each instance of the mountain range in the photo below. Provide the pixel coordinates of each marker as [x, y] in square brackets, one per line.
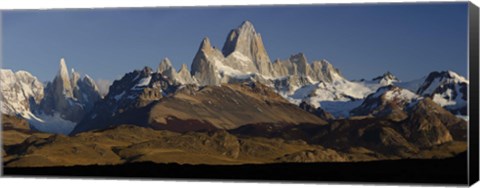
[240, 90]
[68, 98]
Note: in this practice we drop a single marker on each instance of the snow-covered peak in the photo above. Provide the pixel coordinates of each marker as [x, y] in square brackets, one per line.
[17, 91]
[386, 79]
[448, 89]
[456, 77]
[438, 79]
[386, 100]
[394, 93]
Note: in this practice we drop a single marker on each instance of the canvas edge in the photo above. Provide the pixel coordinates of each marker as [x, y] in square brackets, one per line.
[473, 130]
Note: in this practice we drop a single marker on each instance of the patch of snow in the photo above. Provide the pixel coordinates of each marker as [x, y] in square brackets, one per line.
[239, 56]
[401, 94]
[458, 78]
[337, 98]
[229, 71]
[144, 82]
[446, 99]
[50, 124]
[466, 118]
[119, 96]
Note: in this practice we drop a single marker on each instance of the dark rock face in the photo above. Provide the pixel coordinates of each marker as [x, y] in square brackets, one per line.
[135, 90]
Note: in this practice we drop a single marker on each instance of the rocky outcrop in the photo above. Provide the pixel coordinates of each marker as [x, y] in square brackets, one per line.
[424, 127]
[204, 65]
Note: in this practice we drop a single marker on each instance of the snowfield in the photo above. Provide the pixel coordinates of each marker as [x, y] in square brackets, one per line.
[49, 124]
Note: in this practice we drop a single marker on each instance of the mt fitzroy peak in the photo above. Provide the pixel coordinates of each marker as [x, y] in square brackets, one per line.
[244, 57]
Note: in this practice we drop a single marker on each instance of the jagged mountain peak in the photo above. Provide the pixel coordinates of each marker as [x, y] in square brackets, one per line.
[246, 27]
[184, 67]
[184, 77]
[448, 89]
[165, 68]
[392, 92]
[146, 71]
[90, 82]
[61, 81]
[437, 80]
[166, 62]
[453, 76]
[67, 99]
[63, 71]
[447, 74]
[386, 79]
[457, 76]
[246, 41]
[205, 44]
[324, 71]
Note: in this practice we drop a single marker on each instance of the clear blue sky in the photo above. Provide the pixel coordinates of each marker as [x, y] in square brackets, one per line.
[363, 41]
